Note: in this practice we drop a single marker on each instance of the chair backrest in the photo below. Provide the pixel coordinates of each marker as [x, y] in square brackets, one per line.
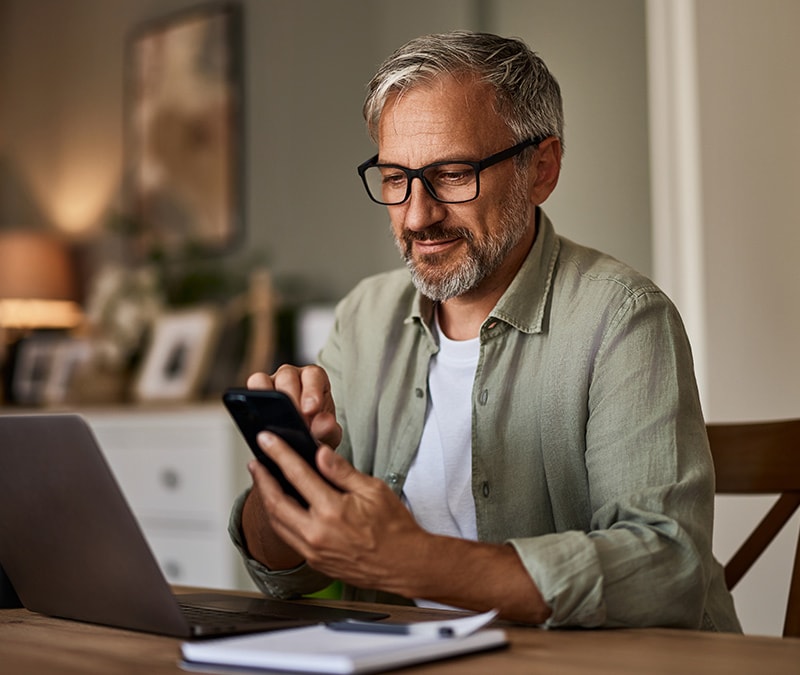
[761, 458]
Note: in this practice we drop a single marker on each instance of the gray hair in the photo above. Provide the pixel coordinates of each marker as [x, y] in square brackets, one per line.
[528, 96]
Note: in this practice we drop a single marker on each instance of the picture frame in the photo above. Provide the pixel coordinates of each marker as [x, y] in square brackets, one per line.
[184, 131]
[68, 356]
[177, 359]
[33, 365]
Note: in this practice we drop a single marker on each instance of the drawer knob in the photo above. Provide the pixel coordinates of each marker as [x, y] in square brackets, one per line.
[172, 570]
[170, 479]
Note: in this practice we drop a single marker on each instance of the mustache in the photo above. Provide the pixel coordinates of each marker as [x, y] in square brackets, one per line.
[437, 232]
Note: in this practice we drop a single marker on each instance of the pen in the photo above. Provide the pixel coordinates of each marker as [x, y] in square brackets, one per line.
[450, 628]
[351, 625]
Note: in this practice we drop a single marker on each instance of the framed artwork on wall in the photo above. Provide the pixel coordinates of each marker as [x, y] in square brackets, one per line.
[184, 128]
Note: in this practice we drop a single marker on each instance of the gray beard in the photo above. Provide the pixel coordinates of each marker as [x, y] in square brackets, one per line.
[482, 259]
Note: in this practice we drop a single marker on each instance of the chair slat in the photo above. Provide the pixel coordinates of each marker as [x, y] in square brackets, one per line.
[761, 458]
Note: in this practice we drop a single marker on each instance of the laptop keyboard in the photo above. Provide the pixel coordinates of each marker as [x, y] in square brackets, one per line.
[239, 614]
[217, 618]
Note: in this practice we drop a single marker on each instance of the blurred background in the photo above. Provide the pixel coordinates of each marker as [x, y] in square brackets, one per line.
[683, 157]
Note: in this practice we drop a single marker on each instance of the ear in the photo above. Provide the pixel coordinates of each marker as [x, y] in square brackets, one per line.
[545, 169]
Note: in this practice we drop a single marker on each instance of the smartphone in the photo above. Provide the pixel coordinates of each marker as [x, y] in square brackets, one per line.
[257, 410]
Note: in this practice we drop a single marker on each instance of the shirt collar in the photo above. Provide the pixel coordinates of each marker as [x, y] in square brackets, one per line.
[524, 302]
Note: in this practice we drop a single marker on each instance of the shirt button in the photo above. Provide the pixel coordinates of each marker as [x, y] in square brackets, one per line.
[483, 397]
[393, 479]
[486, 488]
[419, 393]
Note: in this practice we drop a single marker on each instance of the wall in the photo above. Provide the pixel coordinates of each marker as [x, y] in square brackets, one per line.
[749, 112]
[597, 51]
[307, 63]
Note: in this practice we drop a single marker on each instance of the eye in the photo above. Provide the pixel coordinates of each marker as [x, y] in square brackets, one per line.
[393, 179]
[451, 175]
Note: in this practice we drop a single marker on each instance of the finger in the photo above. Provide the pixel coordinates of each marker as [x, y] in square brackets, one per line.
[287, 380]
[282, 509]
[283, 512]
[260, 381]
[339, 471]
[326, 429]
[316, 392]
[296, 527]
[269, 490]
[295, 469]
[310, 391]
[318, 406]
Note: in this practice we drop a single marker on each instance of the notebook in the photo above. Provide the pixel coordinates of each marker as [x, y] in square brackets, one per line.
[72, 548]
[321, 649]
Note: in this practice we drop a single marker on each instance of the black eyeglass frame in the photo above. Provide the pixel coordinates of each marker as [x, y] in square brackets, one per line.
[411, 174]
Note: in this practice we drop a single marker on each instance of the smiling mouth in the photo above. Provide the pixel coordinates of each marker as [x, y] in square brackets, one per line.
[434, 240]
[430, 246]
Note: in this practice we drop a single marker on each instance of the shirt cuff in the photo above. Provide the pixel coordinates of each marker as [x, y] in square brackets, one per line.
[280, 584]
[567, 572]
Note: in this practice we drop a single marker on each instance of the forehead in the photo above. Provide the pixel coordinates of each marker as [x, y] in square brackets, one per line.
[447, 118]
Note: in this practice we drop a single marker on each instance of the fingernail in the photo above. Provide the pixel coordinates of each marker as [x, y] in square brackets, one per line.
[308, 403]
[265, 438]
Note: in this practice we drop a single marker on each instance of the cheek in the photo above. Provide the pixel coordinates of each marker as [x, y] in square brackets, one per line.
[479, 220]
[396, 219]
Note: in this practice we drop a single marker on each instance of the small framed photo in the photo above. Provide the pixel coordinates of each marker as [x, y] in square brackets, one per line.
[67, 357]
[32, 368]
[177, 361]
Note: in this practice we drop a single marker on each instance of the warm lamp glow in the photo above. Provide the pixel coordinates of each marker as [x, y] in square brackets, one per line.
[75, 183]
[77, 205]
[37, 282]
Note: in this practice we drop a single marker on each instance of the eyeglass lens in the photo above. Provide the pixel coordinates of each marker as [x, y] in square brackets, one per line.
[453, 182]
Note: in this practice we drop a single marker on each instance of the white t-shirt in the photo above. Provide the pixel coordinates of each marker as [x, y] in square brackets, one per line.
[438, 488]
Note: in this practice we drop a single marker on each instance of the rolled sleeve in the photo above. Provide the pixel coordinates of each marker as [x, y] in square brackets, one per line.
[280, 584]
[566, 569]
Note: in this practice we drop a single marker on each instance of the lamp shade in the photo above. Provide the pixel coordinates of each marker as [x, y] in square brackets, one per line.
[37, 282]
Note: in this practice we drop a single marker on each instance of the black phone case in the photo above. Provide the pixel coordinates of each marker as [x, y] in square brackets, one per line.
[256, 410]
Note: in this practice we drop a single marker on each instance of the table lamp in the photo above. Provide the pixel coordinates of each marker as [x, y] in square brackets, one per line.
[37, 282]
[37, 289]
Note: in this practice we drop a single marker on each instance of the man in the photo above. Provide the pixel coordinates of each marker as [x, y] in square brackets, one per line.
[517, 425]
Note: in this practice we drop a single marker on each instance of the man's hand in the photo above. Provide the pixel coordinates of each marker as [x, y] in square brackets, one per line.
[365, 536]
[361, 535]
[310, 391]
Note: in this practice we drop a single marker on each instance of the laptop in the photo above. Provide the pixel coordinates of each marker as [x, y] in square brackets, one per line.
[72, 548]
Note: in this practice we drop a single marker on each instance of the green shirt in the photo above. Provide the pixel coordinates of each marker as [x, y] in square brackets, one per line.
[589, 451]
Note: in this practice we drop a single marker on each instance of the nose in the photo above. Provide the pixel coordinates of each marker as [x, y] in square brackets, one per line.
[421, 209]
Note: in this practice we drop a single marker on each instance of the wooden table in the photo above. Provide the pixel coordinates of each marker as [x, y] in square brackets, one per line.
[32, 644]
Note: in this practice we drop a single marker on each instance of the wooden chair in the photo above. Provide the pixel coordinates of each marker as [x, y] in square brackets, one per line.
[761, 458]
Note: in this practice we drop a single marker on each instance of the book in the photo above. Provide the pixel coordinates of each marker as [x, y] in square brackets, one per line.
[340, 649]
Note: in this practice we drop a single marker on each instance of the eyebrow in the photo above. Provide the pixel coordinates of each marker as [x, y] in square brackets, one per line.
[454, 159]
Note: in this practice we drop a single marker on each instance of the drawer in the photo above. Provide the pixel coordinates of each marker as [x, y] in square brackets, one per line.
[169, 470]
[195, 561]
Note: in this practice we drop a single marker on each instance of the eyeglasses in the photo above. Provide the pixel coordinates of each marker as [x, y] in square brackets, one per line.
[447, 182]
